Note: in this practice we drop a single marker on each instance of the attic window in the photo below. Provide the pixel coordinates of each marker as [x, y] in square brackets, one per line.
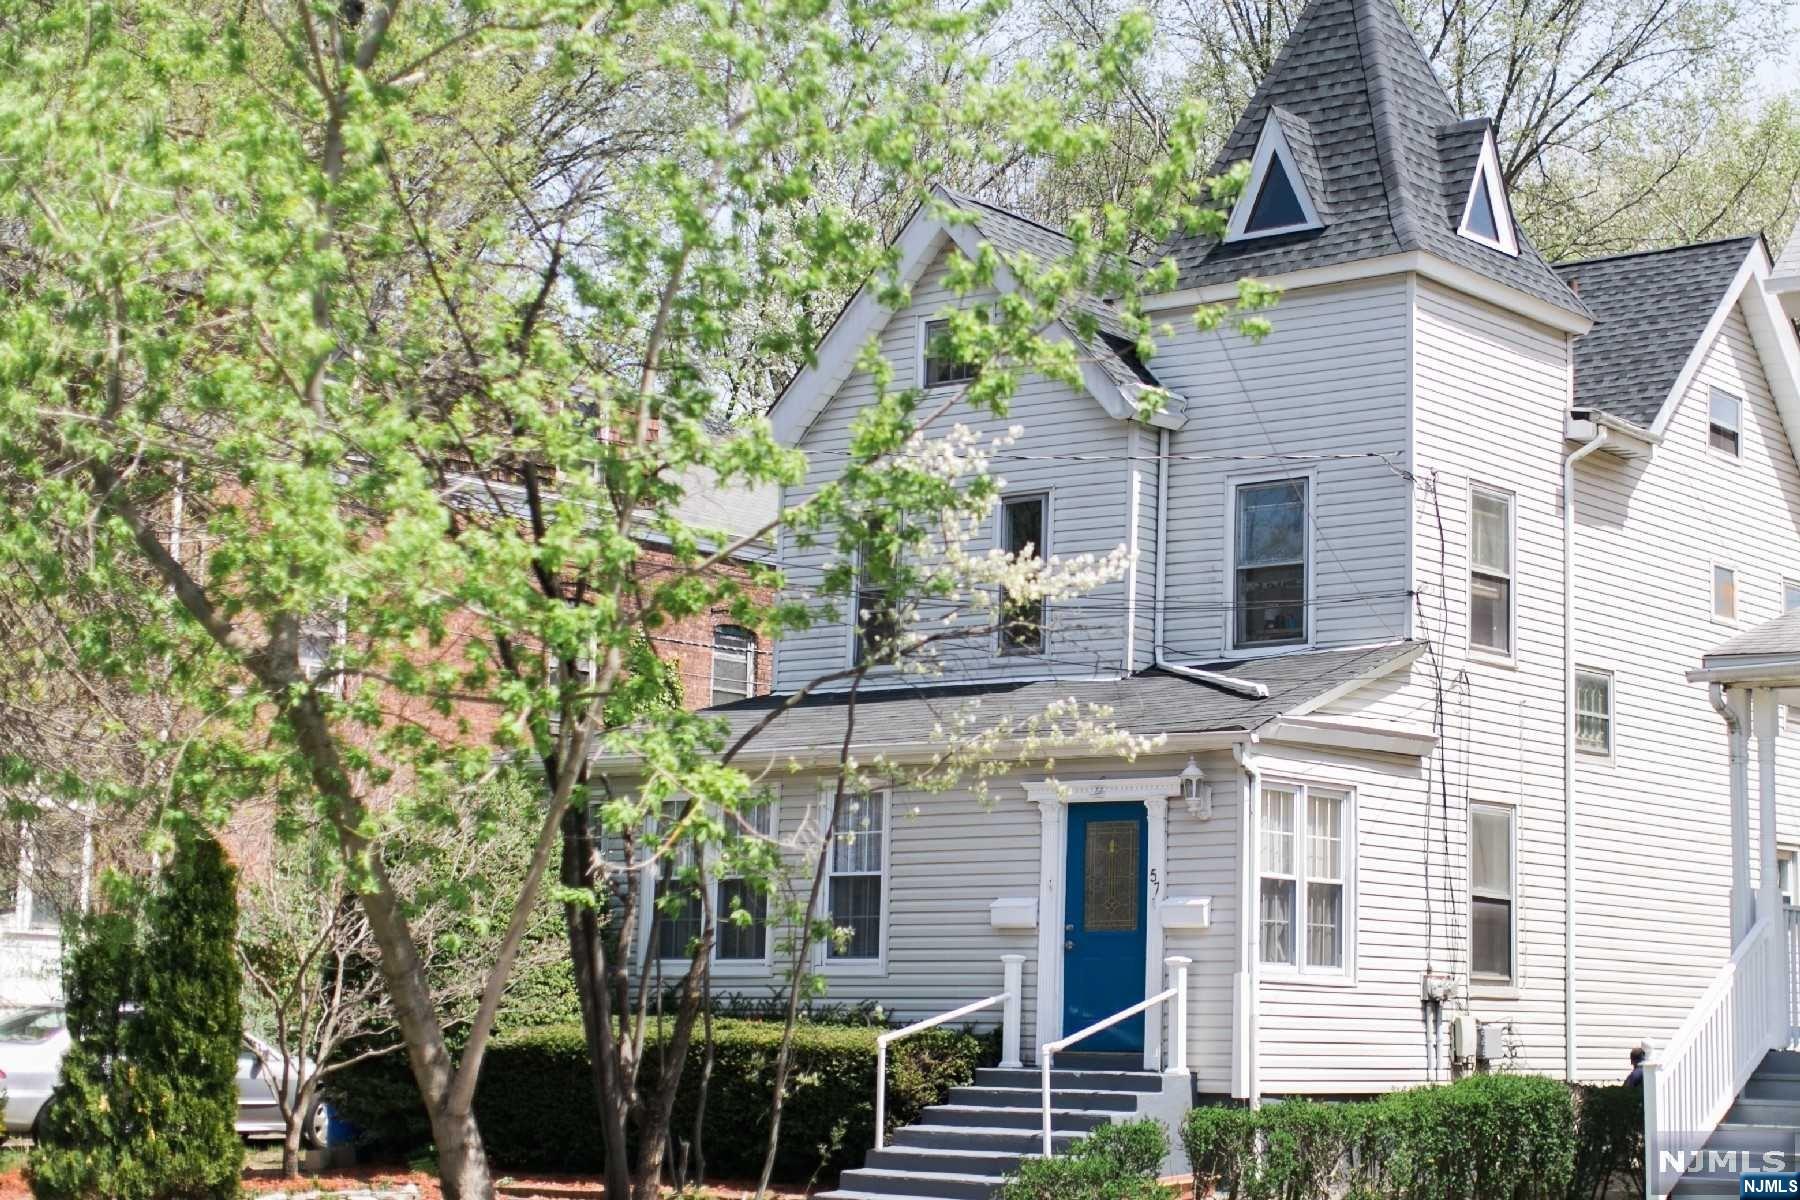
[941, 367]
[1486, 217]
[1275, 199]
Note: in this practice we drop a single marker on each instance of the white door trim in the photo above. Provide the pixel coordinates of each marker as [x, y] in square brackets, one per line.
[1053, 798]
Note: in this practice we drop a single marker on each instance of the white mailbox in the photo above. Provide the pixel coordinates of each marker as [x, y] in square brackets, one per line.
[1013, 914]
[1186, 912]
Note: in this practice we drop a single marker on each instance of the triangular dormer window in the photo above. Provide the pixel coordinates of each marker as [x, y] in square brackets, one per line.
[1275, 199]
[1486, 216]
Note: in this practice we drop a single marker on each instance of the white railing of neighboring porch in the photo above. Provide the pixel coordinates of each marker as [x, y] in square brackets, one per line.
[1792, 915]
[1691, 1082]
[1013, 980]
[1174, 995]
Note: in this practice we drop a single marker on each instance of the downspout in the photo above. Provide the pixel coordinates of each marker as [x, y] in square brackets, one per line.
[1568, 517]
[1738, 733]
[1246, 1072]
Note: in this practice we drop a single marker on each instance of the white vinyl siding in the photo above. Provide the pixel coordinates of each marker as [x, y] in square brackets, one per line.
[1090, 504]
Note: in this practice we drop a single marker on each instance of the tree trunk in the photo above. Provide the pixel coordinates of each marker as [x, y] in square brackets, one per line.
[588, 955]
[462, 1163]
[290, 1150]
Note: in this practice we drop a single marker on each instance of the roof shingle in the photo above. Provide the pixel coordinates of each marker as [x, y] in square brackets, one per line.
[1650, 309]
[1381, 124]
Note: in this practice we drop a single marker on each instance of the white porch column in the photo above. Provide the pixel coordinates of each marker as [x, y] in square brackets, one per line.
[1763, 713]
[1734, 704]
[1052, 814]
[1157, 864]
[1012, 969]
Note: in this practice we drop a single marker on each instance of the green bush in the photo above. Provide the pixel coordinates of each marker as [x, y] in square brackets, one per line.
[1115, 1162]
[1488, 1137]
[147, 1106]
[1609, 1140]
[827, 1121]
[1304, 1148]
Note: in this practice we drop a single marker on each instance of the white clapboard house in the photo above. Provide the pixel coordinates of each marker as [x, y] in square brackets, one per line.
[1425, 587]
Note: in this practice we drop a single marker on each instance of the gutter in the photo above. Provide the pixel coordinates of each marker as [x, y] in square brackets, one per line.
[1568, 518]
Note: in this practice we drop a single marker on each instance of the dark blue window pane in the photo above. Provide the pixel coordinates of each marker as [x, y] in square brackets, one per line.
[1481, 212]
[1277, 204]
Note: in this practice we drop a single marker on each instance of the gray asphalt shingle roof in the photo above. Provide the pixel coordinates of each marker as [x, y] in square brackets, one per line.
[1151, 702]
[1649, 311]
[1389, 146]
[1780, 636]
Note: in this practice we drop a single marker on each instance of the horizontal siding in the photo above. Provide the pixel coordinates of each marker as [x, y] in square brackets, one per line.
[1654, 825]
[1330, 380]
[1088, 502]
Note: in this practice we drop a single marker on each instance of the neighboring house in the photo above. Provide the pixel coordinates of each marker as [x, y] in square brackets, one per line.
[1418, 582]
[47, 865]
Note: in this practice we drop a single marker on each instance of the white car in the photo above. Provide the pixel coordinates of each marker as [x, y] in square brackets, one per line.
[34, 1040]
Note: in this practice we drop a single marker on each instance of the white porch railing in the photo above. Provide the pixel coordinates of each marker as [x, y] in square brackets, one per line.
[1176, 1060]
[1691, 1082]
[1792, 915]
[1009, 1035]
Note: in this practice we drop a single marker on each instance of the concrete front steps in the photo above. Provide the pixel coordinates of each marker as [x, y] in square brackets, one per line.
[1766, 1117]
[963, 1149]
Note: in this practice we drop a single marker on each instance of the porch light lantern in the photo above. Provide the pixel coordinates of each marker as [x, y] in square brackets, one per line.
[1195, 792]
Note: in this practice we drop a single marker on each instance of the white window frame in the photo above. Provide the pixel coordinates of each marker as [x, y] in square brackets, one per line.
[1511, 654]
[1612, 725]
[713, 665]
[1790, 595]
[1042, 495]
[747, 966]
[923, 356]
[720, 966]
[854, 615]
[822, 958]
[1228, 636]
[1736, 429]
[1300, 971]
[1712, 593]
[1789, 855]
[1491, 983]
[1487, 168]
[1271, 144]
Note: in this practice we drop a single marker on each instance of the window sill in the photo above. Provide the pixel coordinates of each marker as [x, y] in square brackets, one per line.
[1264, 649]
[1493, 991]
[1494, 658]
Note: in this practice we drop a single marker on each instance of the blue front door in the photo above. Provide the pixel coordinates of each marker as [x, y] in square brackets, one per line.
[1103, 922]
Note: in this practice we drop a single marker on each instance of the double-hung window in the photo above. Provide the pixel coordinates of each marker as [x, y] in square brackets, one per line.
[1305, 859]
[1491, 571]
[743, 905]
[1493, 934]
[1593, 711]
[1725, 416]
[876, 621]
[1022, 532]
[733, 664]
[680, 914]
[942, 368]
[857, 883]
[1269, 564]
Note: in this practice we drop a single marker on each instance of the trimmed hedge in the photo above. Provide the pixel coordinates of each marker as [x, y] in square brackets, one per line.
[1115, 1162]
[1487, 1137]
[535, 1101]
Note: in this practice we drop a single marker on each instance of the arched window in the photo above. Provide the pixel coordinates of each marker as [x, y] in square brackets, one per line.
[733, 664]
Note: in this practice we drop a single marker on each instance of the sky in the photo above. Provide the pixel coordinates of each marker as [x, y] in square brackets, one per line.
[1780, 71]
